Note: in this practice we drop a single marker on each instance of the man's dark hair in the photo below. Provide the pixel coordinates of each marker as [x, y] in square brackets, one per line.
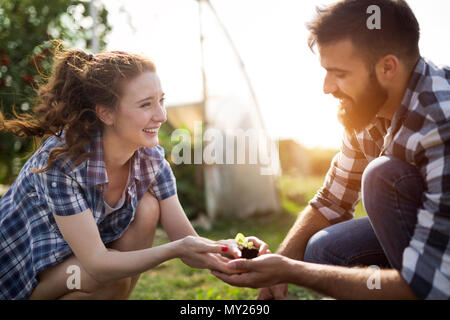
[347, 19]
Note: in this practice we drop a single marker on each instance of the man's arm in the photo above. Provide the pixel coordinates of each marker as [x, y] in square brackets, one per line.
[336, 201]
[349, 283]
[308, 222]
[335, 281]
[339, 195]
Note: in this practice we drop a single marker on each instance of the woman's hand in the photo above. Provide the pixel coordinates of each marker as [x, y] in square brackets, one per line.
[202, 253]
[263, 248]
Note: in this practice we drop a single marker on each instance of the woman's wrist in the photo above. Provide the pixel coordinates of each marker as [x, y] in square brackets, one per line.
[177, 248]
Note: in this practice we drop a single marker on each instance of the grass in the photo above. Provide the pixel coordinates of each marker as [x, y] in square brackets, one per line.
[173, 280]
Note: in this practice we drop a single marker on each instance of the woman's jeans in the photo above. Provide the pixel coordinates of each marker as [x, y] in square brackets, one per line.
[391, 194]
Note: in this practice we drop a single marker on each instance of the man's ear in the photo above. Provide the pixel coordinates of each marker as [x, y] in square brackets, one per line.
[387, 68]
[105, 114]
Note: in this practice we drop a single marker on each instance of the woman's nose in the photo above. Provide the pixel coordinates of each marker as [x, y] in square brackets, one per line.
[161, 115]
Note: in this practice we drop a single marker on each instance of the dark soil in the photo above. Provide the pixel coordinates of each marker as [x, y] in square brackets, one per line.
[249, 253]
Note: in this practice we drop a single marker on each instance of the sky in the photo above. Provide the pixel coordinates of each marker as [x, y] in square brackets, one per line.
[270, 36]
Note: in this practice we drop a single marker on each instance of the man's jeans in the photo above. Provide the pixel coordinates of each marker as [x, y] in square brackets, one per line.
[391, 192]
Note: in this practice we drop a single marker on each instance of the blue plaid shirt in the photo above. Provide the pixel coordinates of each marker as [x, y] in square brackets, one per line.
[30, 240]
[420, 135]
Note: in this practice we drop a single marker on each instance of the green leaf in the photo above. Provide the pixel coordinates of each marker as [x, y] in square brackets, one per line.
[240, 238]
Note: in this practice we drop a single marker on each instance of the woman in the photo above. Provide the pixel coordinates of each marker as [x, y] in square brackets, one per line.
[91, 197]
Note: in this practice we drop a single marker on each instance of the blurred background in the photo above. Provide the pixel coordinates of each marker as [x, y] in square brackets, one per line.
[229, 64]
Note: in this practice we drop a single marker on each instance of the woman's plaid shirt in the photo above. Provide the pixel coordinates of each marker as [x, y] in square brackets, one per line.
[420, 135]
[30, 240]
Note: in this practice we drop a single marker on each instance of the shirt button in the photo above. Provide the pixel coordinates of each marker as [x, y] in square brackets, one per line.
[54, 184]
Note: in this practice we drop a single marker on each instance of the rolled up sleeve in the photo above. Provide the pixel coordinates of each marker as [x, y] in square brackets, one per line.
[163, 185]
[341, 191]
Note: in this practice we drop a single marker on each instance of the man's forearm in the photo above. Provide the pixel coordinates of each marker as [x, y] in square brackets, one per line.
[349, 283]
[308, 223]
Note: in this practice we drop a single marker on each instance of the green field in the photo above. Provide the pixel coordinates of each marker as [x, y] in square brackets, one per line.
[175, 280]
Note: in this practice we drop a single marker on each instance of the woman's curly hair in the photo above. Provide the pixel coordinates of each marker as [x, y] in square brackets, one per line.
[67, 102]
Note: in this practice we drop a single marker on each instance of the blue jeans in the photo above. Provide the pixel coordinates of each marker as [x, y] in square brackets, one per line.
[391, 193]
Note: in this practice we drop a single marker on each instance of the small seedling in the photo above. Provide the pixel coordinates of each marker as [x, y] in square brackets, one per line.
[248, 250]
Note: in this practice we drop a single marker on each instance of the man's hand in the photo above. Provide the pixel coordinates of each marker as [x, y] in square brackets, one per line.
[277, 292]
[263, 271]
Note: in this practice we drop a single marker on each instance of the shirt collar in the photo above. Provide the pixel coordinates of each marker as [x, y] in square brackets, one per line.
[417, 76]
[420, 71]
[96, 167]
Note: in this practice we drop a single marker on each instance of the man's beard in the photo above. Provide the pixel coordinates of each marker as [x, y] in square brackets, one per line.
[359, 113]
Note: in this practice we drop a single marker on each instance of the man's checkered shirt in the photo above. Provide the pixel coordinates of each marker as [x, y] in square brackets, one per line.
[420, 135]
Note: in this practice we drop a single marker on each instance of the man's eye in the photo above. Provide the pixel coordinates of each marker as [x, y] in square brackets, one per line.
[340, 75]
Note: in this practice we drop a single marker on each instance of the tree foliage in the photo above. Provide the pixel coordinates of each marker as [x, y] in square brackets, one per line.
[27, 31]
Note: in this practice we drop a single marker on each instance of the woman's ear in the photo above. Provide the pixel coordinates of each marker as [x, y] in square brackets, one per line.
[105, 114]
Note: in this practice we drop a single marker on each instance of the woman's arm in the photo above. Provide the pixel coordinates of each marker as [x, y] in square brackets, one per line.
[174, 220]
[81, 233]
[177, 226]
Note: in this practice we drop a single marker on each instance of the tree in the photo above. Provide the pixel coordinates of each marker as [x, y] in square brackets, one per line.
[27, 28]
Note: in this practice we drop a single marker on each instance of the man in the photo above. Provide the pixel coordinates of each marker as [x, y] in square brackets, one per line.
[395, 107]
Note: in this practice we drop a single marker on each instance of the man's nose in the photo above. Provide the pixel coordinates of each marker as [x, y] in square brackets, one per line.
[329, 86]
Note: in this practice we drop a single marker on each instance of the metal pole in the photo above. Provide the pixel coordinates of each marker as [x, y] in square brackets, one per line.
[199, 171]
[241, 63]
[202, 62]
[93, 14]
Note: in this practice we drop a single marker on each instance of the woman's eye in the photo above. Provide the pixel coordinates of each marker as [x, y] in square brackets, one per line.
[147, 104]
[162, 100]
